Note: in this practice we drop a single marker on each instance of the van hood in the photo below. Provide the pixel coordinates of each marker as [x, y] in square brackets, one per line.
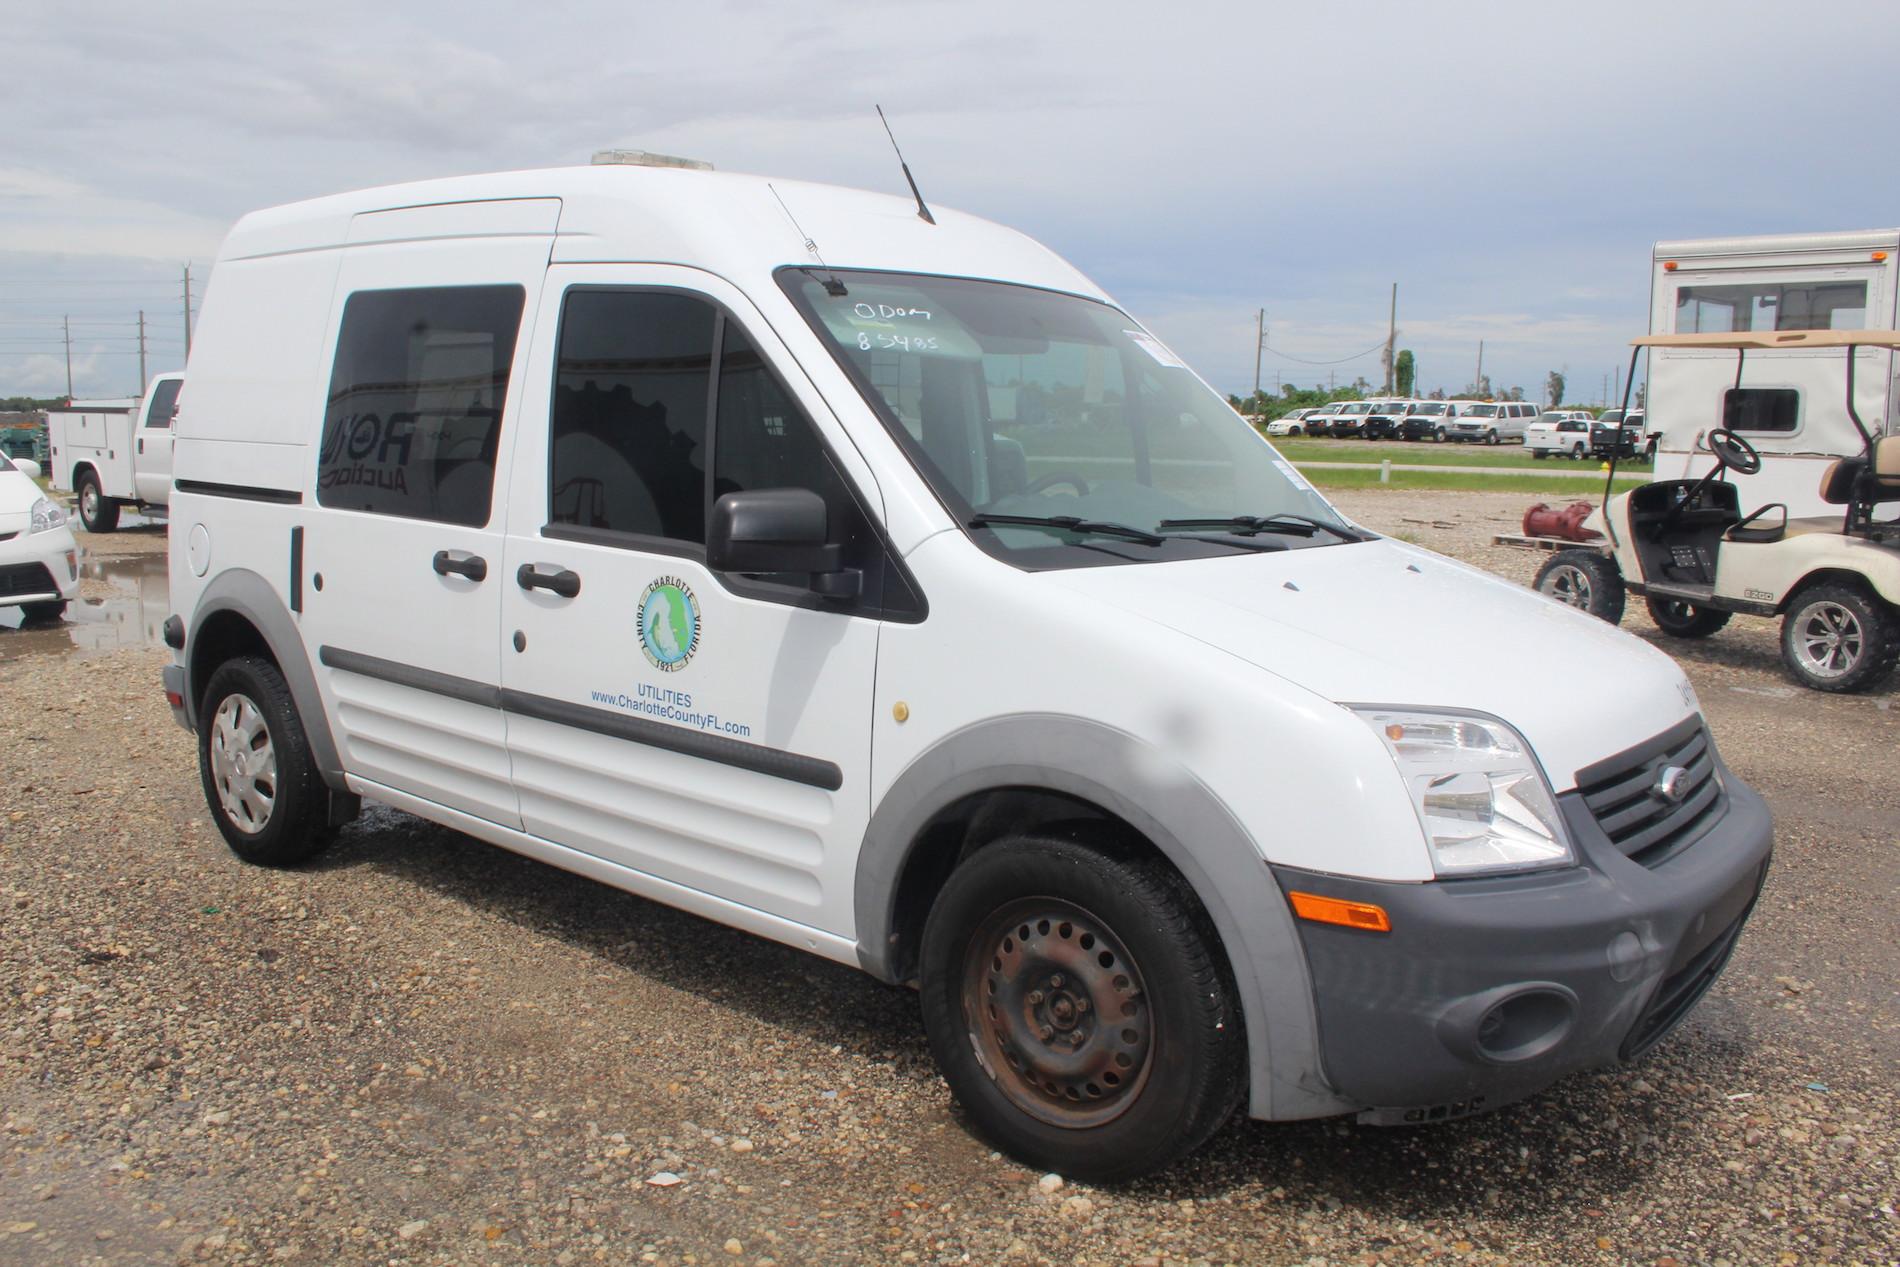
[1381, 622]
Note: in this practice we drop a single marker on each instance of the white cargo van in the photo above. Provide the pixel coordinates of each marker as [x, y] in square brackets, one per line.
[875, 585]
[114, 453]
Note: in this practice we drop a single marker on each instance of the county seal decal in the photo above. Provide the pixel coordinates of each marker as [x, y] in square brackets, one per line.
[669, 623]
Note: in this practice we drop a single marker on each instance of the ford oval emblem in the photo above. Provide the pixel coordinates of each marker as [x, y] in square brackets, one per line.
[1671, 785]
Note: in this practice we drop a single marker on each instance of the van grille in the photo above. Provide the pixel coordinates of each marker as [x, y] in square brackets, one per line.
[25, 578]
[1647, 827]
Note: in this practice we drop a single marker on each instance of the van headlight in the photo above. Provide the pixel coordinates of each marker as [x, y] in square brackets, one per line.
[1480, 795]
[47, 516]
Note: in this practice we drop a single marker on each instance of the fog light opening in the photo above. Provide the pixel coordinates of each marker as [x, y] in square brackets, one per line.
[1524, 1026]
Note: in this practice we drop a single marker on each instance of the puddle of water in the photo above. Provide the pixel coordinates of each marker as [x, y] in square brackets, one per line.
[133, 615]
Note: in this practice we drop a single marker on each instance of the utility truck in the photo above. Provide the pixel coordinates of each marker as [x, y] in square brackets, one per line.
[115, 453]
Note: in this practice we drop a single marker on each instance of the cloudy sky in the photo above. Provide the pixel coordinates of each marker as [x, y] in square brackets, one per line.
[1509, 165]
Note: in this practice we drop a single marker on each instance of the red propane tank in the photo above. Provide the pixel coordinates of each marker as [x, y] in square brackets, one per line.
[1541, 521]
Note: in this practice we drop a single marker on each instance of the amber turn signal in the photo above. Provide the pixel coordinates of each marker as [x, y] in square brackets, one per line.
[1332, 910]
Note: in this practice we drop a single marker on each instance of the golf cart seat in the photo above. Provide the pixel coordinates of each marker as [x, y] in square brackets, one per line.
[1850, 480]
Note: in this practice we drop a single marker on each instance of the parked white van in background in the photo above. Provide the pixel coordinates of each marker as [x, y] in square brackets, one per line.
[875, 585]
[1491, 421]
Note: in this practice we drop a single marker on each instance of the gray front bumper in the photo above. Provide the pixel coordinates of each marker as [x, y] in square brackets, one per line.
[1488, 990]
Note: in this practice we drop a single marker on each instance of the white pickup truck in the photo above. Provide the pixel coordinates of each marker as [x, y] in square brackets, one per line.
[113, 453]
[1565, 434]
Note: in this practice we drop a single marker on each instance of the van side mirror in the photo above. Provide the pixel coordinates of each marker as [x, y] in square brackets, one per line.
[28, 467]
[779, 530]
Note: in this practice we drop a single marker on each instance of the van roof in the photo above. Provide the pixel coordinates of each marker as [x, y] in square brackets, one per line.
[724, 222]
[1780, 243]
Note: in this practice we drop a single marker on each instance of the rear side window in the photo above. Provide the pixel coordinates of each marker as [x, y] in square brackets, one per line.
[164, 403]
[414, 415]
[628, 432]
[1761, 409]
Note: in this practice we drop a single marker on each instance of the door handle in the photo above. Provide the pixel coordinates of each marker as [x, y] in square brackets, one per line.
[564, 582]
[141, 444]
[472, 566]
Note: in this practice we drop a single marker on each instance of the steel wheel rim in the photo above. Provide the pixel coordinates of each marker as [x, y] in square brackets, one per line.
[1058, 1013]
[243, 764]
[1828, 639]
[1569, 585]
[89, 500]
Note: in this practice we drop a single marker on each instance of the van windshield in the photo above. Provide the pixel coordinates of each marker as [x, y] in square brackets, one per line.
[1477, 411]
[1027, 404]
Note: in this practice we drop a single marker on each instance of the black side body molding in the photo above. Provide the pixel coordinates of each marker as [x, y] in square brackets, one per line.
[758, 758]
[242, 492]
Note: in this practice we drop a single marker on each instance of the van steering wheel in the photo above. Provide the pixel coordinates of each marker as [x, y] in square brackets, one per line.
[1733, 452]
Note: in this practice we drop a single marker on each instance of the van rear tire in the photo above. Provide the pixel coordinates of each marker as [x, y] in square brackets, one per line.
[260, 782]
[1080, 1008]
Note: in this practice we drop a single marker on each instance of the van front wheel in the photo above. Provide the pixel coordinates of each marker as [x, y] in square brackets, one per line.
[1080, 1009]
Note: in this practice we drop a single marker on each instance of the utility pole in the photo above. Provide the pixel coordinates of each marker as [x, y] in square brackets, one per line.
[1477, 383]
[1391, 337]
[1259, 342]
[67, 324]
[1617, 396]
[187, 315]
[1332, 381]
[141, 390]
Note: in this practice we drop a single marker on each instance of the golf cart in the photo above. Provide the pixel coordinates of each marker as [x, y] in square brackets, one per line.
[1688, 547]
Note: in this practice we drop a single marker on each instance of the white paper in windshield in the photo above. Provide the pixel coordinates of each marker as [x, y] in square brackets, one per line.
[1293, 476]
[1156, 348]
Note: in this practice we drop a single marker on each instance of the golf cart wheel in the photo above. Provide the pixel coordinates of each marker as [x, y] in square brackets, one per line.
[1838, 637]
[1684, 620]
[1585, 580]
[1080, 1008]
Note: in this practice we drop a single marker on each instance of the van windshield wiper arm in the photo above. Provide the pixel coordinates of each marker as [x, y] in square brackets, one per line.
[1248, 525]
[1070, 523]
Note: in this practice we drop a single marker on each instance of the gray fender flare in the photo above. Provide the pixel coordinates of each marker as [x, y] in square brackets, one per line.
[1193, 829]
[249, 595]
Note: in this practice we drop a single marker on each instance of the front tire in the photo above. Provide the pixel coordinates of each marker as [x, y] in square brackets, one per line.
[1684, 620]
[1585, 580]
[260, 783]
[97, 512]
[1080, 1008]
[1839, 638]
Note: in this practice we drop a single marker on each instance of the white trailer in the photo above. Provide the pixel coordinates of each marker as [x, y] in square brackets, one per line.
[114, 453]
[1789, 403]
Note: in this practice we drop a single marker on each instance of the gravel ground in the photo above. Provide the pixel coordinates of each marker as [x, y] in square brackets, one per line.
[425, 1050]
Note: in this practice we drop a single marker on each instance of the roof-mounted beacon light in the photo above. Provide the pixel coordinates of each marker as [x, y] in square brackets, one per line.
[647, 158]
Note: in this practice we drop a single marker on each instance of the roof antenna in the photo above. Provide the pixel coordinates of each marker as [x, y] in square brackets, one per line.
[832, 285]
[923, 212]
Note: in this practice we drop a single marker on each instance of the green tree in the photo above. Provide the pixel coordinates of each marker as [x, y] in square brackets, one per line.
[1405, 371]
[1554, 388]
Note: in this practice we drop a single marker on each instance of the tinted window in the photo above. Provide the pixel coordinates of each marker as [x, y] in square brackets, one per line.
[164, 403]
[628, 432]
[414, 415]
[1761, 409]
[762, 439]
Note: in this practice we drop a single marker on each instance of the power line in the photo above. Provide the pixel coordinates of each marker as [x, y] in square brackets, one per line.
[1341, 361]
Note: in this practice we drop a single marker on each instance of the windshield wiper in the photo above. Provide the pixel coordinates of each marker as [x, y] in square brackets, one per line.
[1070, 523]
[1249, 525]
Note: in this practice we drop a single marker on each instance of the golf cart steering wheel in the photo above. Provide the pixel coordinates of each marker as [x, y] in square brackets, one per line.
[1080, 485]
[1733, 452]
